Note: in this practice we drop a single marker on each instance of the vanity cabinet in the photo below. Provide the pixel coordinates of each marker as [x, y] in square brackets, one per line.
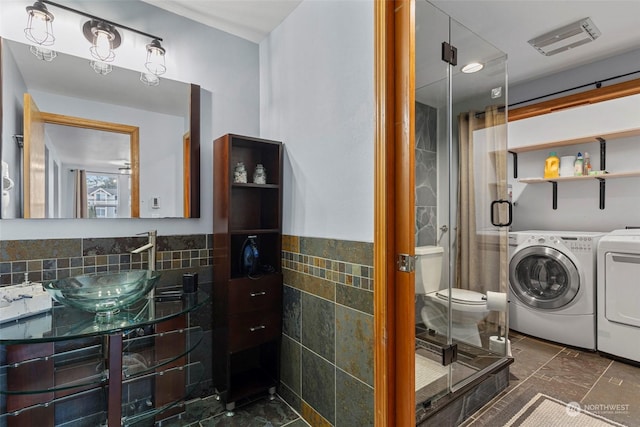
[63, 367]
[247, 303]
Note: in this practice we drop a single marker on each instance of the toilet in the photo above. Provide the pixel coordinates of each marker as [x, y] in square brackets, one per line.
[468, 307]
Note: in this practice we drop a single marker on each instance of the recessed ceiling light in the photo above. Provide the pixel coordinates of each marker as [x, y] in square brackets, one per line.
[472, 67]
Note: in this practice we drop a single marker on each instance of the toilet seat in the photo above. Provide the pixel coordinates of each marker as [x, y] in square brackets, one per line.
[462, 296]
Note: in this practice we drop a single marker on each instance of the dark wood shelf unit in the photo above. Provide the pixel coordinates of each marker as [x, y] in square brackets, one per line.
[247, 308]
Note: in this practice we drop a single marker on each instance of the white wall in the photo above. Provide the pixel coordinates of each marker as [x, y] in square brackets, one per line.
[225, 66]
[316, 95]
[578, 201]
[12, 125]
[583, 75]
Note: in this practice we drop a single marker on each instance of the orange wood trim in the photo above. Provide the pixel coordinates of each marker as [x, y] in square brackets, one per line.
[135, 172]
[384, 314]
[404, 210]
[134, 137]
[631, 87]
[80, 122]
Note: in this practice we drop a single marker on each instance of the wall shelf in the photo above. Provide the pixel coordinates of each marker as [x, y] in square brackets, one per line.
[581, 140]
[601, 138]
[631, 174]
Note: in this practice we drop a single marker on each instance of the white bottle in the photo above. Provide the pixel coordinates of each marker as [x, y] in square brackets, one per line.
[578, 165]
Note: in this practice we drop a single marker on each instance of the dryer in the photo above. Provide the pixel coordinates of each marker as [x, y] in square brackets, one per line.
[618, 292]
[552, 278]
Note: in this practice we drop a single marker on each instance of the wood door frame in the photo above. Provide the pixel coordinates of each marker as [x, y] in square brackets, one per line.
[134, 138]
[394, 216]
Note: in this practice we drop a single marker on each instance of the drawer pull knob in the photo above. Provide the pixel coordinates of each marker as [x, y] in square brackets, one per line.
[257, 328]
[257, 294]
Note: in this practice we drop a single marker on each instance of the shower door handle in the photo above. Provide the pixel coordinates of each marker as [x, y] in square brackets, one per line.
[493, 210]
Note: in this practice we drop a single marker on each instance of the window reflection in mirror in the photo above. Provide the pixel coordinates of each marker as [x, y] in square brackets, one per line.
[166, 116]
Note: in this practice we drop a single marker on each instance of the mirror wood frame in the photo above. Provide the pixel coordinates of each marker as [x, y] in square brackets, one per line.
[78, 122]
[191, 162]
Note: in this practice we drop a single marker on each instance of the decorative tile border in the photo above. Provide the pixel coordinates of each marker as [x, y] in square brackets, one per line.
[330, 265]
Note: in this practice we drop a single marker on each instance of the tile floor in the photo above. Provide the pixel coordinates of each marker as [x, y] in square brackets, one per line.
[565, 373]
[260, 412]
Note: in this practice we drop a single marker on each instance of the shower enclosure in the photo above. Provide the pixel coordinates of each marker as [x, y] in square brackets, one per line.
[462, 205]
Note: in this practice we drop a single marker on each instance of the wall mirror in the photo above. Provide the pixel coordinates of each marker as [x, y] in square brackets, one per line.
[78, 144]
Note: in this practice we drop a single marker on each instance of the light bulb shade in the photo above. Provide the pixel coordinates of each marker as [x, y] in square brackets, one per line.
[149, 79]
[101, 68]
[155, 58]
[39, 29]
[43, 53]
[104, 39]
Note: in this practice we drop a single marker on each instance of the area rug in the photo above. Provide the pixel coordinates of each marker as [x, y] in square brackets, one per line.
[545, 411]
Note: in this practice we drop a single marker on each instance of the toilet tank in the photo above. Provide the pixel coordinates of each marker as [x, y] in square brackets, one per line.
[428, 269]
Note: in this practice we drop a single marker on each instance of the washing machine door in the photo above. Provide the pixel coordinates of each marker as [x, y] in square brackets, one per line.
[543, 277]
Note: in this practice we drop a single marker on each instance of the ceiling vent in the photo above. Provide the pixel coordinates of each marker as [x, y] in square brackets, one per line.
[566, 38]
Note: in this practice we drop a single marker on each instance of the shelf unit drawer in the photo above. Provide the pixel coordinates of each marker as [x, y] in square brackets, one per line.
[247, 295]
[252, 329]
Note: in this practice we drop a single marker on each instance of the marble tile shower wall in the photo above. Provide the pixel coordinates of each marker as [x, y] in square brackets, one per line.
[327, 342]
[426, 175]
[51, 259]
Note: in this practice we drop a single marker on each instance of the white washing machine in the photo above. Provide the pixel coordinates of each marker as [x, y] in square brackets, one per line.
[619, 294]
[552, 281]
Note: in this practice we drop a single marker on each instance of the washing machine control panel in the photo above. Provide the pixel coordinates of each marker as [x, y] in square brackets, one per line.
[576, 244]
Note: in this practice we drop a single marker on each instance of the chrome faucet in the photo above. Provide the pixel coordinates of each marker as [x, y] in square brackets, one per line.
[151, 247]
[151, 266]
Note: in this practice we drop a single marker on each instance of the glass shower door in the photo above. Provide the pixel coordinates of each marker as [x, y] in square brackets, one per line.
[480, 210]
[461, 204]
[432, 136]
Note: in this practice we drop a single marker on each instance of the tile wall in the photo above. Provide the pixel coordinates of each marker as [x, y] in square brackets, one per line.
[327, 343]
[426, 175]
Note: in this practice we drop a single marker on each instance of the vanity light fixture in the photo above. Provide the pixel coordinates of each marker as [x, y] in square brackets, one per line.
[43, 53]
[101, 33]
[39, 28]
[101, 68]
[155, 58]
[104, 38]
[472, 67]
[149, 79]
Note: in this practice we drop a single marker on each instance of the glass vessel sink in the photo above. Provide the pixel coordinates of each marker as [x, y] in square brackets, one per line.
[103, 293]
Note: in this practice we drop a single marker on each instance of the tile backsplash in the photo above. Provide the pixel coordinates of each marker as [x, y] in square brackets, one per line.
[51, 259]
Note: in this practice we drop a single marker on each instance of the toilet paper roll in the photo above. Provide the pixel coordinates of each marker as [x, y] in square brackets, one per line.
[497, 301]
[499, 345]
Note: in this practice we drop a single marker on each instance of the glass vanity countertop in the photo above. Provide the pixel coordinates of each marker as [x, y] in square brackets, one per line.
[63, 323]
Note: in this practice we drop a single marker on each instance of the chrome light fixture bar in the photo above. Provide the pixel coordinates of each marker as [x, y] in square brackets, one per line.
[101, 33]
[567, 37]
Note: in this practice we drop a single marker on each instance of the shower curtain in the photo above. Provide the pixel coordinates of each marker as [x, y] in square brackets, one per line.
[491, 155]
